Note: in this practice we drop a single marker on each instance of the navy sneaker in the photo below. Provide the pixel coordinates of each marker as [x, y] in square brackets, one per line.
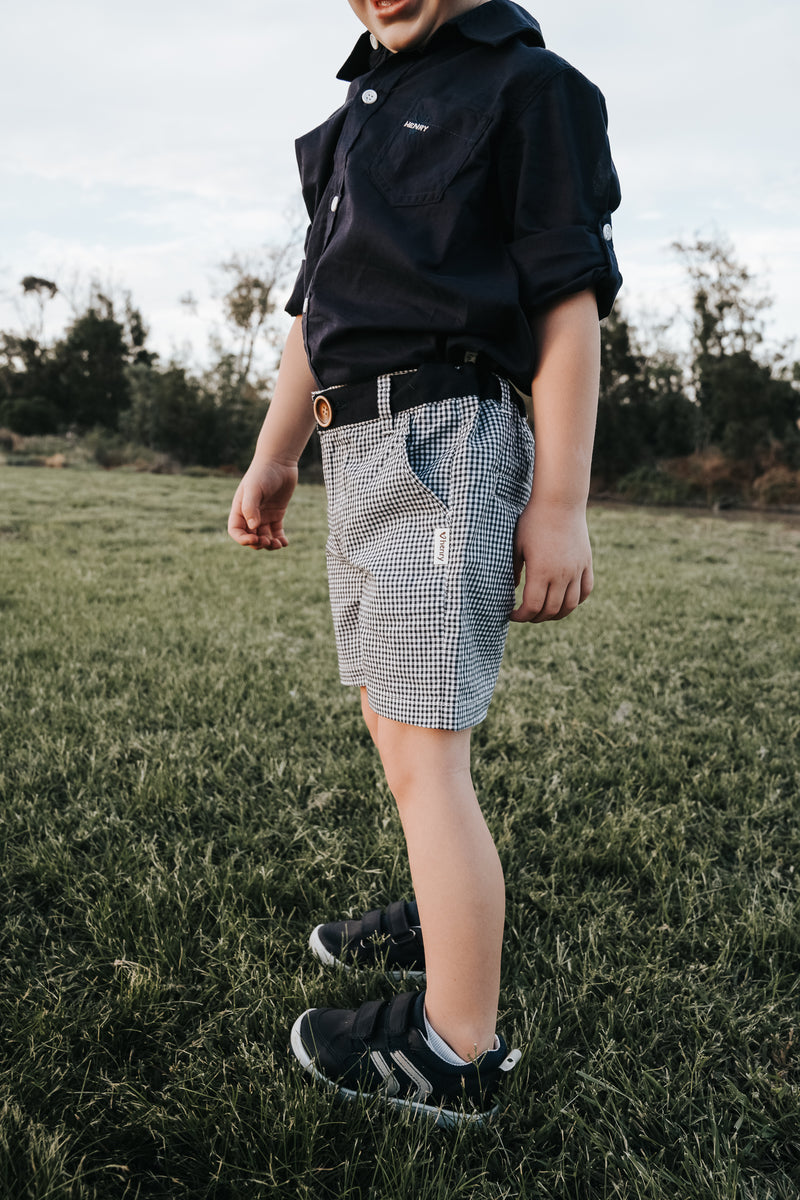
[380, 1049]
[390, 938]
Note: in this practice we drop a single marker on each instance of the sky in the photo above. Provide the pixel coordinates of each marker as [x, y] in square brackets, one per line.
[145, 144]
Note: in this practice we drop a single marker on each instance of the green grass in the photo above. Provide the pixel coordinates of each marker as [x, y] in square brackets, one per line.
[185, 789]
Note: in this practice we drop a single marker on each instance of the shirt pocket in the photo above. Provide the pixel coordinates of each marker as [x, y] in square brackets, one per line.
[422, 157]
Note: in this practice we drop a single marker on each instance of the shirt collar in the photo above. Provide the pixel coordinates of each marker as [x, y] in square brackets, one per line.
[493, 23]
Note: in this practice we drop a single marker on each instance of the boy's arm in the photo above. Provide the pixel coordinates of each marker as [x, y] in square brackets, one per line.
[552, 541]
[261, 500]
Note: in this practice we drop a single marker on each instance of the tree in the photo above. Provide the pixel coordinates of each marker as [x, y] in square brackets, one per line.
[620, 440]
[250, 300]
[745, 402]
[137, 333]
[240, 407]
[644, 413]
[40, 290]
[170, 412]
[27, 386]
[27, 375]
[92, 388]
[239, 379]
[672, 415]
[80, 381]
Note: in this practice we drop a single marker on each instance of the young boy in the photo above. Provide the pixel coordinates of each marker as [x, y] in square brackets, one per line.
[458, 256]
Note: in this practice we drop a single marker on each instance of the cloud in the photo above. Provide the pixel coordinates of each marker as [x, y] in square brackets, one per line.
[159, 138]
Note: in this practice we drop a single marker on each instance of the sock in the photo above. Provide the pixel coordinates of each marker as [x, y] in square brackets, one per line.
[439, 1046]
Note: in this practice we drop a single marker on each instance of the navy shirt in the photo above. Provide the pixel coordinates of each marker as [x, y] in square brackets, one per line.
[461, 188]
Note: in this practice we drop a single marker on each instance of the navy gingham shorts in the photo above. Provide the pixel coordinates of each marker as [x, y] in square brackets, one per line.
[422, 506]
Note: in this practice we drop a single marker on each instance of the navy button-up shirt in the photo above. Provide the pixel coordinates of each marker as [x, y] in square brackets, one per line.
[461, 188]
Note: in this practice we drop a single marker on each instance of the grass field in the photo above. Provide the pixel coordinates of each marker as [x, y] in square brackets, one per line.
[185, 790]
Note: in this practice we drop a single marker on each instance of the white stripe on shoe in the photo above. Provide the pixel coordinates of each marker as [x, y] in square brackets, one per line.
[390, 1084]
[424, 1087]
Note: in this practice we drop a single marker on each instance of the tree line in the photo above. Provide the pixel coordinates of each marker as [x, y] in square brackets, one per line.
[731, 396]
[731, 393]
[101, 379]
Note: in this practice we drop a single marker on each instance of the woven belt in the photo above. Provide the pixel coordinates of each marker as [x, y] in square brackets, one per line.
[354, 402]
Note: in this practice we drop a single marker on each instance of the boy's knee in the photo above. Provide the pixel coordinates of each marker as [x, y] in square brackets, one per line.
[414, 758]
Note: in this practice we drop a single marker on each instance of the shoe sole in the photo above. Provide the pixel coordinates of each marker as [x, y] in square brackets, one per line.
[444, 1118]
[324, 955]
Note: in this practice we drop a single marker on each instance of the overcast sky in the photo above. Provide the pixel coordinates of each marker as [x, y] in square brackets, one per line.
[146, 142]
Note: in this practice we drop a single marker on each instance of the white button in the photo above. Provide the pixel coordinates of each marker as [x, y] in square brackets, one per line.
[607, 232]
[369, 96]
[305, 305]
[373, 41]
[334, 203]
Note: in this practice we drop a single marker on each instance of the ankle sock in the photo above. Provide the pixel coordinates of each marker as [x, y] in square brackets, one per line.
[439, 1046]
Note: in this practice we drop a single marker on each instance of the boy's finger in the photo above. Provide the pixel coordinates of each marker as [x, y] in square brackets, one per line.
[518, 563]
[572, 598]
[251, 509]
[236, 524]
[552, 606]
[534, 598]
[239, 531]
[245, 539]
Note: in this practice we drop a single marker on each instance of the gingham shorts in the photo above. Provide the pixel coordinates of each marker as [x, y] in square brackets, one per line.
[422, 506]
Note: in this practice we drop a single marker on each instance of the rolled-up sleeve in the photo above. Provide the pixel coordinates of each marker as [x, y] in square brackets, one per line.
[559, 188]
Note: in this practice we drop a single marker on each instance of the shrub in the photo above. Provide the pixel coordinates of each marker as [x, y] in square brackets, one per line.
[110, 450]
[653, 485]
[29, 415]
[778, 485]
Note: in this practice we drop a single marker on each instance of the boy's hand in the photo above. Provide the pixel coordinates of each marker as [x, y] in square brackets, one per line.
[553, 546]
[260, 503]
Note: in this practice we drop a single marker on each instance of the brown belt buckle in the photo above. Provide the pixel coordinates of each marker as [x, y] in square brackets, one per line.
[323, 411]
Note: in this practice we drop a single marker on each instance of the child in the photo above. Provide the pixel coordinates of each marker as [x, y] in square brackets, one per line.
[458, 256]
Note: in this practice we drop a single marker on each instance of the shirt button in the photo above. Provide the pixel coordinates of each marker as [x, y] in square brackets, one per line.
[369, 96]
[305, 305]
[607, 232]
[373, 41]
[334, 203]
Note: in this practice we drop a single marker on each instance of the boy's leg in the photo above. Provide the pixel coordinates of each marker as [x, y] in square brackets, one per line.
[457, 876]
[370, 718]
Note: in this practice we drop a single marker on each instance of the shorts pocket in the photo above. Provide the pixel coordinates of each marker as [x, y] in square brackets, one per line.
[513, 489]
[515, 466]
[427, 471]
[421, 159]
[331, 470]
[434, 436]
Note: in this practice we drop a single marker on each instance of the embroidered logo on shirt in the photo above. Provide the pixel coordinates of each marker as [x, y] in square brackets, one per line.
[416, 125]
[441, 547]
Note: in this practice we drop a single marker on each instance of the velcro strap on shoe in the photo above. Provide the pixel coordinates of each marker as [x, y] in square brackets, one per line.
[399, 1015]
[366, 1019]
[397, 921]
[370, 924]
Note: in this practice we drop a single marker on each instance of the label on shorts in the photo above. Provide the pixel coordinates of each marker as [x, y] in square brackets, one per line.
[441, 546]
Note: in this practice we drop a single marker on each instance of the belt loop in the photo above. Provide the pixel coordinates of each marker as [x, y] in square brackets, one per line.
[385, 397]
